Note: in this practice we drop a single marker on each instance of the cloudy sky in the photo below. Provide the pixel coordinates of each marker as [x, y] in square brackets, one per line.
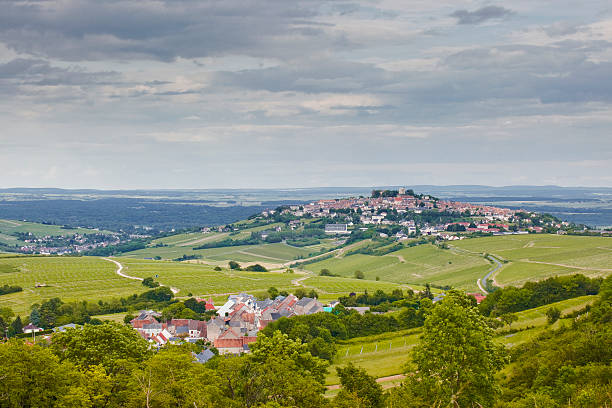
[278, 93]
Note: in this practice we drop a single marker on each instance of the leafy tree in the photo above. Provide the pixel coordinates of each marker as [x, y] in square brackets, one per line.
[150, 282]
[104, 345]
[356, 382]
[509, 318]
[359, 275]
[282, 370]
[172, 379]
[30, 376]
[256, 268]
[272, 292]
[234, 265]
[16, 327]
[456, 358]
[325, 272]
[553, 314]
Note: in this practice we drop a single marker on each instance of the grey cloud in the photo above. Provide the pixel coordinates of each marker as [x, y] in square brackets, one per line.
[94, 30]
[481, 15]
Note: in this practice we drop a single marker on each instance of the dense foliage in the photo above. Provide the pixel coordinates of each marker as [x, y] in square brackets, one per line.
[6, 289]
[533, 294]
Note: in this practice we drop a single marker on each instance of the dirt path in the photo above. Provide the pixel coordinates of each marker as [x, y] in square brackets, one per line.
[200, 240]
[378, 380]
[401, 258]
[120, 273]
[259, 256]
[583, 268]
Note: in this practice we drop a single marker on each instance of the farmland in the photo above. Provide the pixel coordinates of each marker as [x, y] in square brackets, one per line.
[68, 278]
[415, 265]
[534, 257]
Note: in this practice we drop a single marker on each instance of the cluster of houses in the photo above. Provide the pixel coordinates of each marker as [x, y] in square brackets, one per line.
[66, 244]
[234, 327]
[370, 208]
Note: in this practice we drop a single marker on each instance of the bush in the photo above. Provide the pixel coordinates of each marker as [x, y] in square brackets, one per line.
[150, 283]
[256, 268]
[234, 265]
[359, 275]
[325, 272]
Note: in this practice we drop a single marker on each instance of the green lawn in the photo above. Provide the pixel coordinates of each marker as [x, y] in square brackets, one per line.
[69, 278]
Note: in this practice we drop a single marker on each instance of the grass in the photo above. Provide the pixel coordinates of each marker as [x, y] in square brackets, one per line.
[69, 278]
[415, 265]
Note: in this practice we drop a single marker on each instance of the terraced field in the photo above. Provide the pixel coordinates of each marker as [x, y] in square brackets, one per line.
[68, 278]
[534, 257]
[416, 265]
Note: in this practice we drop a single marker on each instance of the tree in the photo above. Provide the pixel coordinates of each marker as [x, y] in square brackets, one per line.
[553, 314]
[509, 318]
[359, 275]
[172, 379]
[356, 382]
[30, 376]
[256, 268]
[272, 292]
[104, 345]
[16, 327]
[234, 265]
[456, 358]
[35, 316]
[150, 282]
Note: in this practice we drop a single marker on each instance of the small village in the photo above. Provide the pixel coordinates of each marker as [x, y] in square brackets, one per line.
[234, 327]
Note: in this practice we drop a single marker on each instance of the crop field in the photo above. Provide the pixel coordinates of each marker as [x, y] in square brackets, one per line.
[68, 278]
[534, 257]
[201, 279]
[332, 287]
[415, 265]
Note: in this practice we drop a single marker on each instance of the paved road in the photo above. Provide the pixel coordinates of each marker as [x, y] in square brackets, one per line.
[120, 273]
[488, 275]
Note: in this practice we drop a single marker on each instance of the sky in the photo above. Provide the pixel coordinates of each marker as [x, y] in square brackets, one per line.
[120, 94]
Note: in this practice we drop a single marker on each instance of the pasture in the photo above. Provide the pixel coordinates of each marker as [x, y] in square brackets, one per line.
[69, 278]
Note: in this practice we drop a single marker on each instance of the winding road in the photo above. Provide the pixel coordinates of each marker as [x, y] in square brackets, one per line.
[498, 265]
[120, 273]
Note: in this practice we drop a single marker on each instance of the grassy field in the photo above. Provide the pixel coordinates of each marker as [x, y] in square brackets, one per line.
[8, 227]
[69, 278]
[416, 265]
[534, 257]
